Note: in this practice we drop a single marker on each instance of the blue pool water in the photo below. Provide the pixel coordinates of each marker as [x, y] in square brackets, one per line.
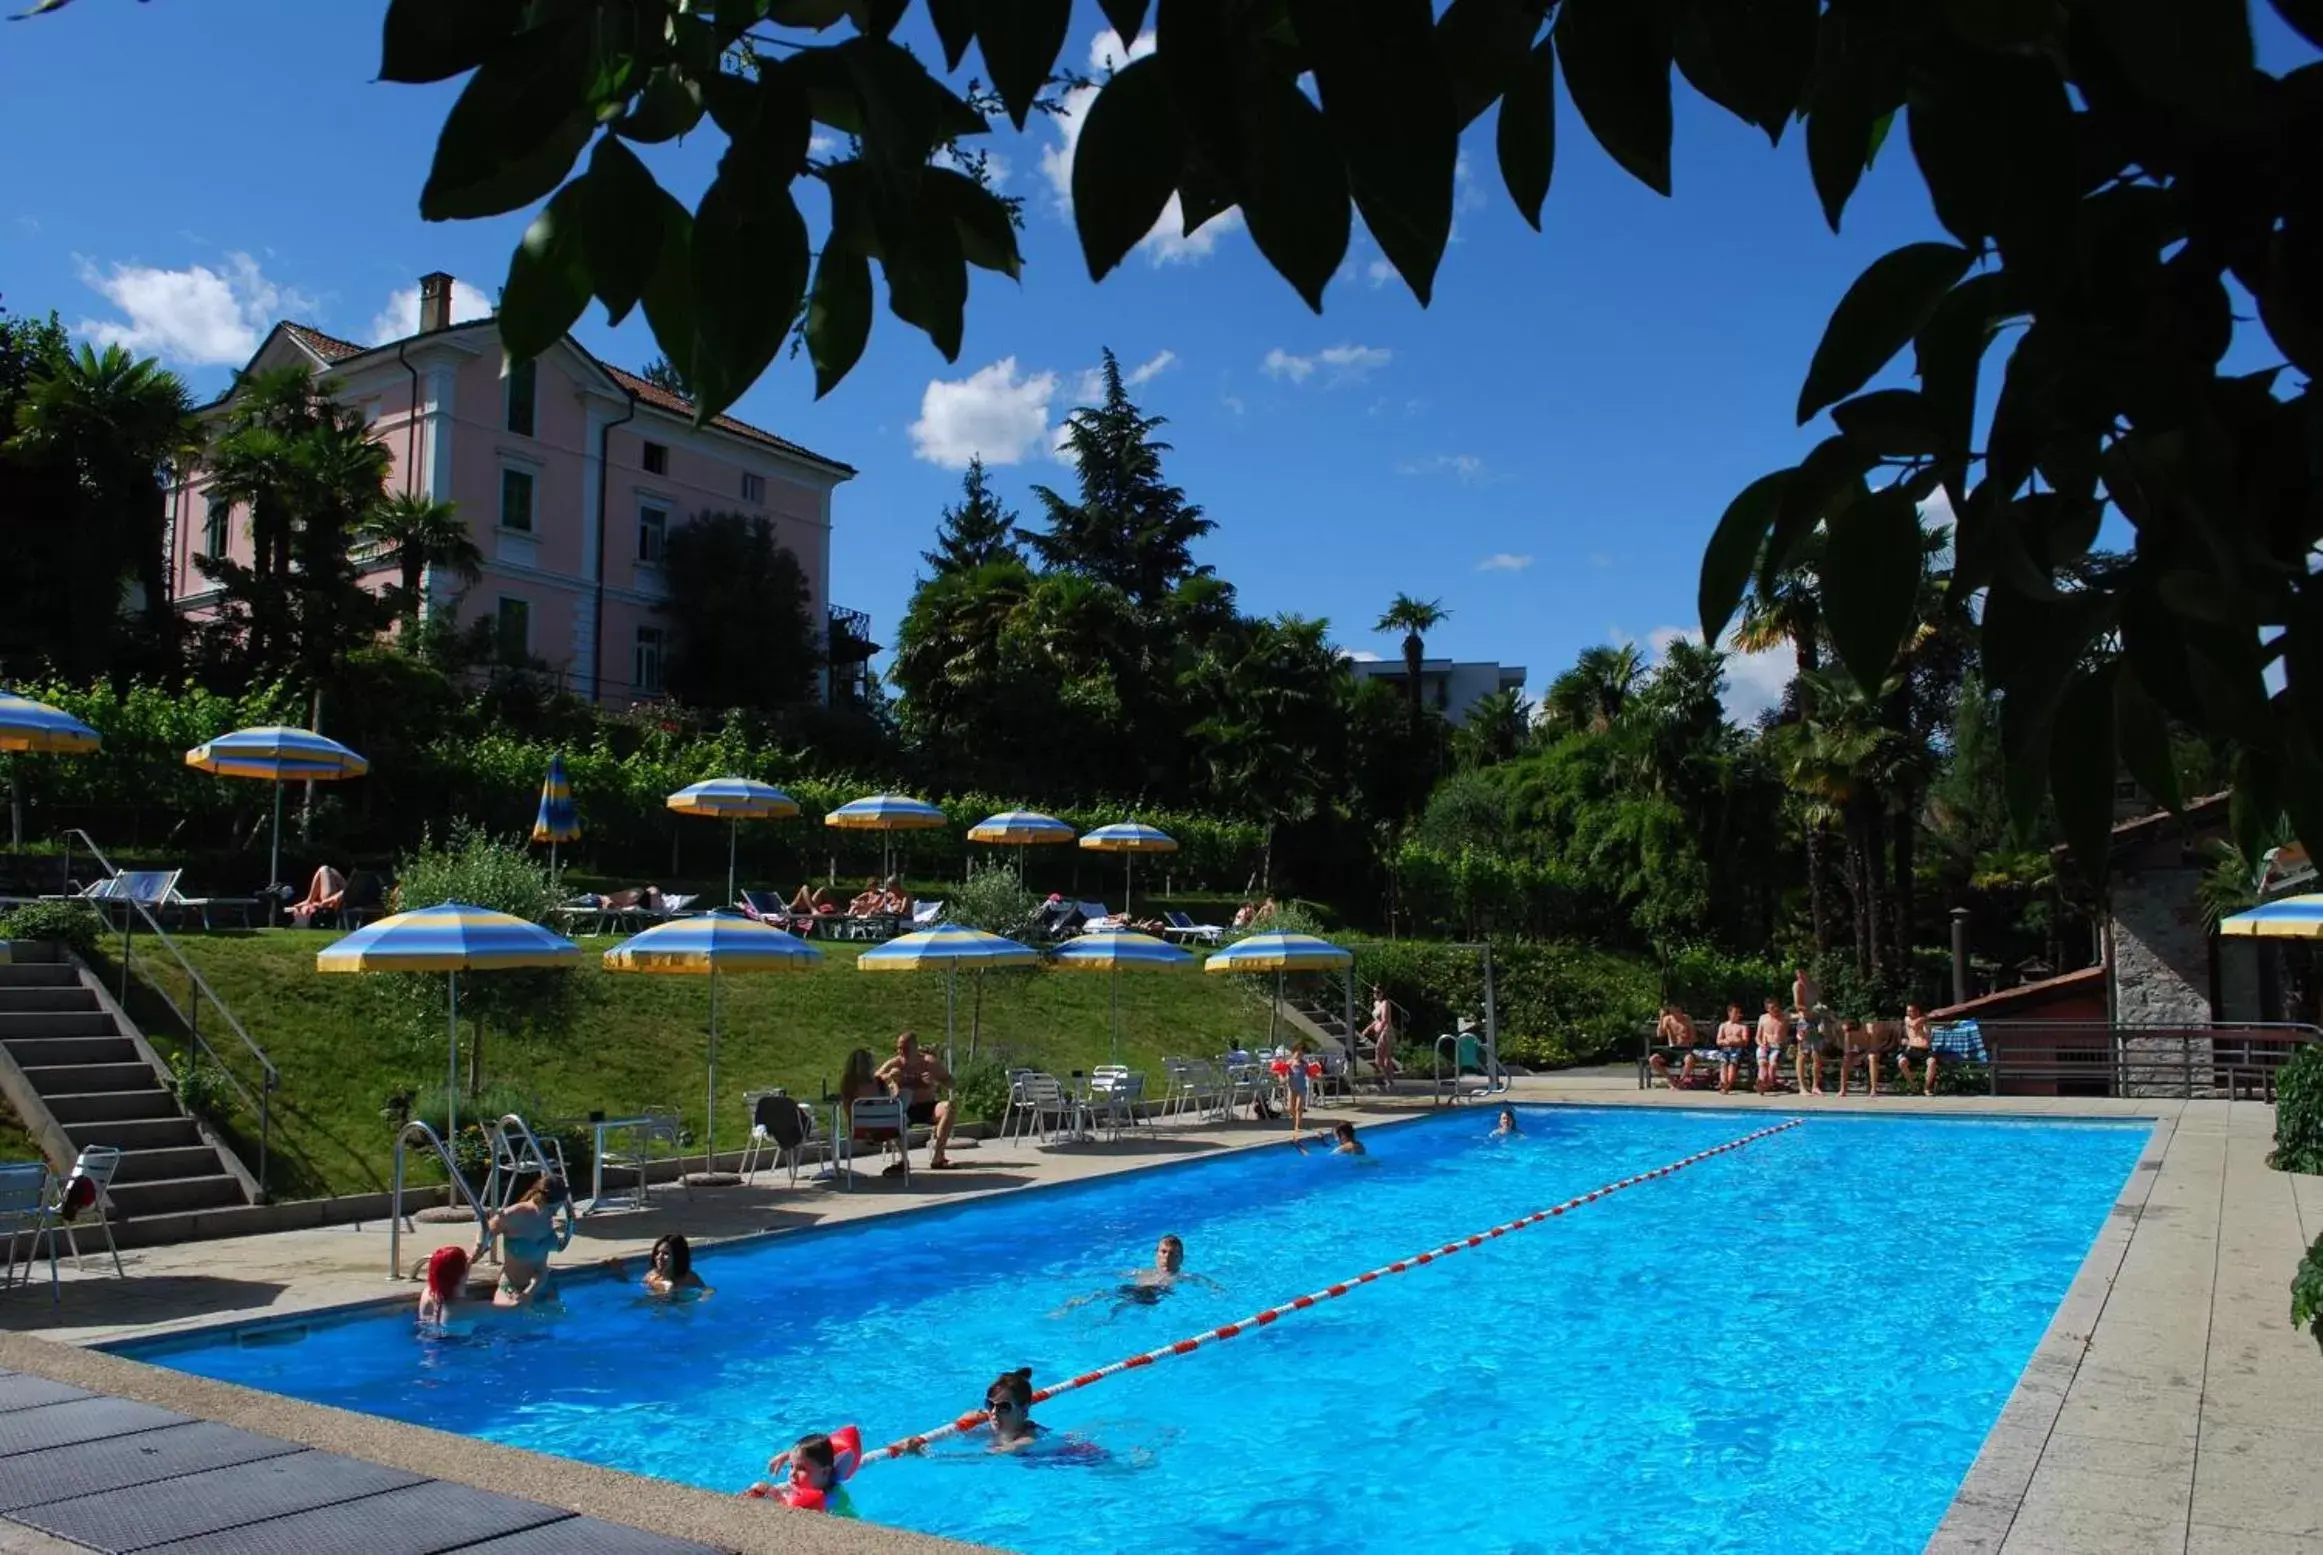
[1797, 1346]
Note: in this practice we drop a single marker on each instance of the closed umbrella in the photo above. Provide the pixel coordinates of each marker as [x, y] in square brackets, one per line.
[35, 728]
[1114, 950]
[885, 813]
[1279, 952]
[734, 800]
[708, 946]
[950, 946]
[454, 937]
[556, 821]
[278, 755]
[1129, 839]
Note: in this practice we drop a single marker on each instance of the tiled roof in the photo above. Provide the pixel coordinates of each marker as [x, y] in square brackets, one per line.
[332, 349]
[1989, 1006]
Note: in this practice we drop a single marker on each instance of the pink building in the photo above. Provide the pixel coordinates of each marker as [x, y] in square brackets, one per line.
[571, 474]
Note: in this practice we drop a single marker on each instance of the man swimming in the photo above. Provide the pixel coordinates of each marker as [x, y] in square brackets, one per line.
[1146, 1287]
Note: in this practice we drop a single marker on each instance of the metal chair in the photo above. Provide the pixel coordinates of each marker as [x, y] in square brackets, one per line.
[97, 1164]
[25, 1208]
[881, 1116]
[1037, 1106]
[1115, 1098]
[780, 1125]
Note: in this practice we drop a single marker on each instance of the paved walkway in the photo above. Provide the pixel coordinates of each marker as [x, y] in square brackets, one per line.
[2170, 1407]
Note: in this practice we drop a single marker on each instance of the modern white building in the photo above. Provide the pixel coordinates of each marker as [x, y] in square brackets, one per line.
[1449, 686]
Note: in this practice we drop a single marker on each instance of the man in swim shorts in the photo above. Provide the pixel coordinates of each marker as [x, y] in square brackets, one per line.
[1733, 1037]
[1772, 1028]
[1674, 1032]
[917, 1077]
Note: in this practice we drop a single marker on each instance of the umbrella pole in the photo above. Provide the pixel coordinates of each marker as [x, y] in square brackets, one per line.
[552, 864]
[710, 1124]
[733, 839]
[274, 860]
[1117, 1015]
[1274, 1010]
[951, 984]
[452, 1069]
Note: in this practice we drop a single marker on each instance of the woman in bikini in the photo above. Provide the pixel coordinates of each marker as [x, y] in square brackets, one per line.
[1381, 1034]
[529, 1234]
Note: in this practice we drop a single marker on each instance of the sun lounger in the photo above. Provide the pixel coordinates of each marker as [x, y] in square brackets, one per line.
[1096, 916]
[1183, 927]
[926, 915]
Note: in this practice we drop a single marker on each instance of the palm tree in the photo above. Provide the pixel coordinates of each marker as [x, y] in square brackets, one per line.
[1593, 692]
[418, 533]
[1415, 618]
[1786, 610]
[115, 420]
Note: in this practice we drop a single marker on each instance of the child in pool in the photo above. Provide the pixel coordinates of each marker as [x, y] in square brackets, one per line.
[1506, 1128]
[1343, 1140]
[811, 1476]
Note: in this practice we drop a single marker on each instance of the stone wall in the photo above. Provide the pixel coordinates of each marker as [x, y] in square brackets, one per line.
[2161, 965]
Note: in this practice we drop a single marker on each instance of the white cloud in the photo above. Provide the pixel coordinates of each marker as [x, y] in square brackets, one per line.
[1755, 682]
[1168, 242]
[1467, 467]
[821, 145]
[1151, 368]
[1346, 363]
[1504, 561]
[401, 315]
[197, 317]
[996, 412]
[1363, 655]
[1233, 404]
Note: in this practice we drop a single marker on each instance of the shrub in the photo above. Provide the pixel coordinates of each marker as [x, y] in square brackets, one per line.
[980, 1091]
[74, 925]
[1556, 1004]
[479, 1113]
[203, 1089]
[2299, 1113]
[2307, 1292]
[996, 900]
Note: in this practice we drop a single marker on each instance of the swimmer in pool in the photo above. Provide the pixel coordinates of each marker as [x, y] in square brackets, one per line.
[1506, 1128]
[669, 1270]
[1343, 1142]
[446, 1292]
[1146, 1287]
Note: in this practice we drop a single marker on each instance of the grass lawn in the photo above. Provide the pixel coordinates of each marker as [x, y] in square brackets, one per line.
[640, 1041]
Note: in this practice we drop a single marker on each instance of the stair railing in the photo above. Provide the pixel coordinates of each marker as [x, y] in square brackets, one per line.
[395, 1216]
[198, 989]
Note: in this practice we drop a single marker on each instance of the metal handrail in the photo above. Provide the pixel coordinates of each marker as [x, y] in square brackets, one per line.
[505, 1157]
[395, 1215]
[199, 988]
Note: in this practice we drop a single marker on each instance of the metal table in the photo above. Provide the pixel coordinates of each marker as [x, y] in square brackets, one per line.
[645, 1129]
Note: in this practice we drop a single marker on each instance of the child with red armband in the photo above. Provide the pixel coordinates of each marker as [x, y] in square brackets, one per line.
[812, 1476]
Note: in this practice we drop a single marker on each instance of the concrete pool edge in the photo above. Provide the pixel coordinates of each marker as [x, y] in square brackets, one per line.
[660, 1506]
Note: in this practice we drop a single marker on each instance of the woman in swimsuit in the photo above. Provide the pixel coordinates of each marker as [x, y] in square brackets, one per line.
[672, 1270]
[528, 1234]
[1381, 1034]
[447, 1287]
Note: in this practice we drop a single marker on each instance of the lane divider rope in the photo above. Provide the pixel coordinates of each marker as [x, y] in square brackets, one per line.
[969, 1422]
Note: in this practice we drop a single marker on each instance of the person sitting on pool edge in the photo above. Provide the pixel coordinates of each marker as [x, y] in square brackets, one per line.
[916, 1077]
[1674, 1030]
[528, 1233]
[1733, 1037]
[1919, 1048]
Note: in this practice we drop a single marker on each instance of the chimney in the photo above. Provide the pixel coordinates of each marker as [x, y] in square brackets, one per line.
[435, 302]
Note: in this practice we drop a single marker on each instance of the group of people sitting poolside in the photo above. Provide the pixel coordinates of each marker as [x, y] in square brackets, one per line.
[1807, 1033]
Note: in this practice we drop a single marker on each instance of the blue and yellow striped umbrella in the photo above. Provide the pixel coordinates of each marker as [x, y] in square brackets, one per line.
[39, 729]
[1020, 828]
[950, 946]
[886, 812]
[2294, 917]
[1129, 838]
[557, 820]
[709, 945]
[277, 754]
[453, 937]
[1112, 950]
[1278, 952]
[734, 800]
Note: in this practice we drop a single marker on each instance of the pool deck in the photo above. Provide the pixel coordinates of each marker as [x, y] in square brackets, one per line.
[2170, 1405]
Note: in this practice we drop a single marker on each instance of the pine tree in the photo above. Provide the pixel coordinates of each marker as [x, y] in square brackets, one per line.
[977, 531]
[1129, 528]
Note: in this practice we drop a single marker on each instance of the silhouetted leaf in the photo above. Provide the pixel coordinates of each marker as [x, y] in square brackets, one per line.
[1830, 476]
[955, 24]
[1126, 16]
[1852, 94]
[1482, 43]
[1734, 547]
[669, 295]
[2306, 19]
[669, 106]
[1616, 55]
[1890, 422]
[548, 277]
[1525, 133]
[1870, 575]
[1751, 57]
[750, 271]
[838, 314]
[1948, 351]
[434, 40]
[1388, 103]
[2196, 53]
[621, 232]
[987, 237]
[1888, 304]
[2006, 24]
[2081, 765]
[512, 135]
[927, 279]
[1125, 164]
[2144, 733]
[1021, 40]
[1294, 192]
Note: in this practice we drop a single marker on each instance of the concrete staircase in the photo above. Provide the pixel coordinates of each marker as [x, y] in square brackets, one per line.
[79, 1073]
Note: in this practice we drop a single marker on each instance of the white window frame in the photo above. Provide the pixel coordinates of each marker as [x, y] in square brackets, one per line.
[508, 398]
[647, 505]
[531, 475]
[659, 644]
[217, 527]
[754, 487]
[500, 624]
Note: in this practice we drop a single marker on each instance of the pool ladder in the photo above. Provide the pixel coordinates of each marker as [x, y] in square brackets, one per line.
[517, 1155]
[395, 1215]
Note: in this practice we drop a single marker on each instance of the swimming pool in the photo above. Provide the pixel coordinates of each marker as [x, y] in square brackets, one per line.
[1797, 1346]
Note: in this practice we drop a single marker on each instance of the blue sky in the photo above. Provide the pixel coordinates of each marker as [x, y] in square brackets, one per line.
[1544, 449]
